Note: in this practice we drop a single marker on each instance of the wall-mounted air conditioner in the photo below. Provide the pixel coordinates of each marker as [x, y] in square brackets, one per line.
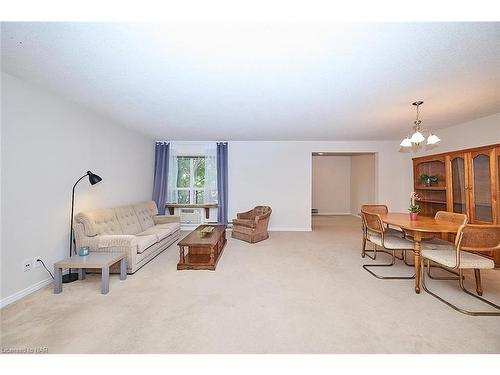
[190, 215]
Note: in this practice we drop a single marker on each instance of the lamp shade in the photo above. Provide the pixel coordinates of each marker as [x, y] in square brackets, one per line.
[417, 137]
[406, 142]
[93, 178]
[432, 139]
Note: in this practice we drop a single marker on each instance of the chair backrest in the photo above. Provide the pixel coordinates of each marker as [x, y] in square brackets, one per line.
[451, 217]
[262, 211]
[478, 237]
[372, 221]
[375, 208]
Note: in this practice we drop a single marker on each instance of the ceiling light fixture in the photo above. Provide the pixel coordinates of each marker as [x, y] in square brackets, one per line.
[418, 133]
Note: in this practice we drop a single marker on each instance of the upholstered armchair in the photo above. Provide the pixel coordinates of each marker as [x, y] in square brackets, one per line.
[251, 226]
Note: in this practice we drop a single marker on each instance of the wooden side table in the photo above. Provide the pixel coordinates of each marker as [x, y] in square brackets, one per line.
[94, 260]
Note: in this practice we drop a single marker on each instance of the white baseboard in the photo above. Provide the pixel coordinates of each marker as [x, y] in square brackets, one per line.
[332, 213]
[191, 227]
[23, 293]
[290, 229]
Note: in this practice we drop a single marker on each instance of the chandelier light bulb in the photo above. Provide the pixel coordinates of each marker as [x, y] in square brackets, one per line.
[406, 142]
[417, 137]
[433, 139]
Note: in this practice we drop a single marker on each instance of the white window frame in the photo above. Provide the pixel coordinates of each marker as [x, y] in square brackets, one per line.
[192, 189]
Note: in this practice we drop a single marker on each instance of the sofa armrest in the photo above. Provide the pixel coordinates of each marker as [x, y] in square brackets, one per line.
[166, 219]
[244, 223]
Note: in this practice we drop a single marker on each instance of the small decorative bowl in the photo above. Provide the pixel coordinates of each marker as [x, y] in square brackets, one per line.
[83, 251]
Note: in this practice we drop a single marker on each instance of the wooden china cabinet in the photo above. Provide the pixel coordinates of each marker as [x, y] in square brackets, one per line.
[468, 181]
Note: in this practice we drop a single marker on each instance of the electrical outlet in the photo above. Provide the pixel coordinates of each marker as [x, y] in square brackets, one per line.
[35, 263]
[27, 265]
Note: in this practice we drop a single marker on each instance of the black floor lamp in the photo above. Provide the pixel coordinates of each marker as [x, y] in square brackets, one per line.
[93, 179]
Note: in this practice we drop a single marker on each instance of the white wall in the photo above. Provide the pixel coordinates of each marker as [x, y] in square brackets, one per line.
[279, 174]
[47, 144]
[331, 176]
[362, 181]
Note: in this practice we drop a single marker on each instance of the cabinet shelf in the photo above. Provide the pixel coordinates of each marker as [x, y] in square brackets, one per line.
[429, 201]
[439, 188]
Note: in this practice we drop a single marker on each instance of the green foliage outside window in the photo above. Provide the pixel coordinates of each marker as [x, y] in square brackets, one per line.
[191, 180]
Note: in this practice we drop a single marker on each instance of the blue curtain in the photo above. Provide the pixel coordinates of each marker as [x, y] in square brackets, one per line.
[222, 181]
[160, 182]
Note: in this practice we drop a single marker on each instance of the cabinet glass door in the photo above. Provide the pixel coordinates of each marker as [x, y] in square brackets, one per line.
[458, 191]
[482, 188]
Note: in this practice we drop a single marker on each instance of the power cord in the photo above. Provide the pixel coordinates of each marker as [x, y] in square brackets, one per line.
[39, 260]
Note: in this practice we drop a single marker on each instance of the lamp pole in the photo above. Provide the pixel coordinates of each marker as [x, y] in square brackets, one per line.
[93, 179]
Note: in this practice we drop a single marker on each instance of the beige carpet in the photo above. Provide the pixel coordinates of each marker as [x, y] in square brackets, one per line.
[294, 293]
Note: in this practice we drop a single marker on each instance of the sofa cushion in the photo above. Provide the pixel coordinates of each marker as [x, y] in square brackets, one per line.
[99, 222]
[128, 220]
[145, 212]
[173, 227]
[161, 231]
[143, 242]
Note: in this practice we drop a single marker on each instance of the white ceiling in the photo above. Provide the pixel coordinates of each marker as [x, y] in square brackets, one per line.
[265, 81]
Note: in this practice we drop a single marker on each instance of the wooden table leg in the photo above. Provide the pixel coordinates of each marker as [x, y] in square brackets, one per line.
[181, 254]
[212, 255]
[417, 238]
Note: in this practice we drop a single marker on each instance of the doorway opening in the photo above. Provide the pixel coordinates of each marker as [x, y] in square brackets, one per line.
[341, 183]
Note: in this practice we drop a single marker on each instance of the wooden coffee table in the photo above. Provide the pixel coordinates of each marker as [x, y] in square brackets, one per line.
[203, 251]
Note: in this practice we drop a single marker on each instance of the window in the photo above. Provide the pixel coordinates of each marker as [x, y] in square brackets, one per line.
[192, 174]
[190, 187]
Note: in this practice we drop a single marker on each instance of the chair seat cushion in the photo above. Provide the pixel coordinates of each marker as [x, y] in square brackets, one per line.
[242, 229]
[437, 244]
[391, 242]
[143, 242]
[467, 260]
[393, 232]
[249, 223]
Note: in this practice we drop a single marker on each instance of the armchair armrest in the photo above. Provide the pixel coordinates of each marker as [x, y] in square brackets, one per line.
[166, 219]
[245, 215]
[249, 223]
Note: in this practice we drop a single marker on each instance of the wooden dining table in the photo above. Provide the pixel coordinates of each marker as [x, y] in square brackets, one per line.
[423, 227]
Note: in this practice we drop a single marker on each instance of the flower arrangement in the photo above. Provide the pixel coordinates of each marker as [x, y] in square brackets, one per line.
[414, 208]
[428, 180]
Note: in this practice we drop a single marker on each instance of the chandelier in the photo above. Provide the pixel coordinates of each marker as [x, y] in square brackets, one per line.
[418, 133]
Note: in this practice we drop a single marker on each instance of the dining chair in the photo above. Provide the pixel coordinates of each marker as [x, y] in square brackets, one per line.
[437, 243]
[457, 257]
[379, 235]
[377, 209]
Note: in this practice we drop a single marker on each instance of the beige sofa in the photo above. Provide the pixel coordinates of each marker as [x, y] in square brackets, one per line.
[136, 230]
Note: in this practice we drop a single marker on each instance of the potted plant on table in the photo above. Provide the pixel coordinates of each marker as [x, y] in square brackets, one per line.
[428, 180]
[414, 208]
